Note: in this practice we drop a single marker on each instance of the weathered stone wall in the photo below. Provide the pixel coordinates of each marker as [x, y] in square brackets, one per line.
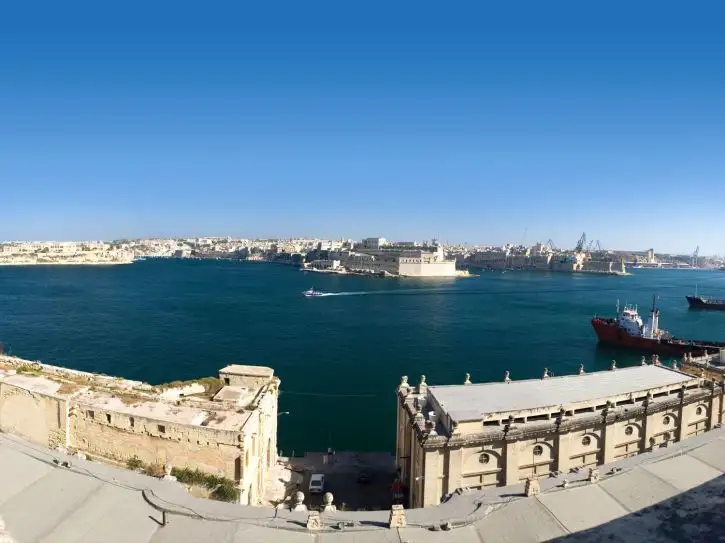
[48, 409]
[214, 451]
[36, 417]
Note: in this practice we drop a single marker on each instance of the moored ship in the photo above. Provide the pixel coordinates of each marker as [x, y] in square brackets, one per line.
[702, 302]
[629, 331]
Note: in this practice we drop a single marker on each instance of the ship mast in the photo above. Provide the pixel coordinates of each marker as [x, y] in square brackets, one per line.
[654, 317]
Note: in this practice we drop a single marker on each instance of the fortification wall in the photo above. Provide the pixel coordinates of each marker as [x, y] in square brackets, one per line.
[427, 269]
[120, 437]
[37, 417]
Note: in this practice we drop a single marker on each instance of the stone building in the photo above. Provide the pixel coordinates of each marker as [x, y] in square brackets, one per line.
[225, 426]
[496, 434]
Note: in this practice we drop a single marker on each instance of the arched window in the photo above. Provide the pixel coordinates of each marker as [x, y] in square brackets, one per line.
[698, 411]
[666, 421]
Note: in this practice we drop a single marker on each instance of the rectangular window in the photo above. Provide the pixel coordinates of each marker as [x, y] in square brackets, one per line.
[162, 429]
[131, 421]
[226, 380]
[91, 414]
[108, 418]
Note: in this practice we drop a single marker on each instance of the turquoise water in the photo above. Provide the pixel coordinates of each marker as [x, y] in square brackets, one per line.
[339, 357]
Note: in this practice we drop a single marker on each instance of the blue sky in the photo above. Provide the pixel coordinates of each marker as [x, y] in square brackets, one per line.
[417, 124]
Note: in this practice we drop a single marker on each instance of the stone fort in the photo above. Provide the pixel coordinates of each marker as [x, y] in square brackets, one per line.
[225, 426]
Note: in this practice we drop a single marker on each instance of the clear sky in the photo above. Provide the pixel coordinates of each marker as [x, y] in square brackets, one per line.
[470, 126]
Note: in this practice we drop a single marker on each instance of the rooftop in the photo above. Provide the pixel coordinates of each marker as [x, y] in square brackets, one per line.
[252, 371]
[471, 402]
[666, 496]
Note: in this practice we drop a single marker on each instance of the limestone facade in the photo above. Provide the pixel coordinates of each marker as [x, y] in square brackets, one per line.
[497, 434]
[233, 435]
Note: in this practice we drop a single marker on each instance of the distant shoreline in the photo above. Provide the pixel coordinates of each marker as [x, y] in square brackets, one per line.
[66, 263]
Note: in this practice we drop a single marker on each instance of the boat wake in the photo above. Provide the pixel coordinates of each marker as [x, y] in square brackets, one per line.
[360, 293]
[386, 292]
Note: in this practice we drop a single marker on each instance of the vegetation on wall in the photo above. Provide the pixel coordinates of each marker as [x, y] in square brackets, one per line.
[222, 489]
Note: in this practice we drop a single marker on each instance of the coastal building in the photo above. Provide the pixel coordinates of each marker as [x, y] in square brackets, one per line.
[498, 434]
[225, 426]
[401, 259]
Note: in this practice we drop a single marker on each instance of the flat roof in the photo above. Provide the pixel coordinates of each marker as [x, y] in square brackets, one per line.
[252, 371]
[471, 402]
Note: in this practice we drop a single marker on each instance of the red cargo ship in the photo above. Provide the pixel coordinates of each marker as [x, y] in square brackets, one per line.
[627, 330]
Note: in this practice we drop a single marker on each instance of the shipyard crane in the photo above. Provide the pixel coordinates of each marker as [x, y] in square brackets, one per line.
[695, 255]
[597, 246]
[581, 243]
[551, 244]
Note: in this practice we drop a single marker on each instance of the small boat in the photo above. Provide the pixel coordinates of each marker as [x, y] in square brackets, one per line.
[312, 292]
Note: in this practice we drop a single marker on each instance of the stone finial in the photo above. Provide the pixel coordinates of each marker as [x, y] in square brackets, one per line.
[656, 360]
[674, 364]
[404, 386]
[581, 369]
[683, 358]
[313, 520]
[507, 376]
[298, 501]
[422, 386]
[644, 361]
[328, 507]
[532, 487]
[467, 381]
[546, 373]
[397, 517]
[430, 427]
[613, 365]
[167, 472]
[593, 475]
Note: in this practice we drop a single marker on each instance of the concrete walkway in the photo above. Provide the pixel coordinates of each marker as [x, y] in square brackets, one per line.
[669, 495]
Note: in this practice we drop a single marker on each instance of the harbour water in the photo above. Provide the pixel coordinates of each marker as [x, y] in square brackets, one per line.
[339, 356]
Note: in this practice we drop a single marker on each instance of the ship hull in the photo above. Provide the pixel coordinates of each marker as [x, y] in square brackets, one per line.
[608, 332]
[699, 303]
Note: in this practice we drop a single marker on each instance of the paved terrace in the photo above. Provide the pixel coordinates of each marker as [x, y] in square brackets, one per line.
[669, 495]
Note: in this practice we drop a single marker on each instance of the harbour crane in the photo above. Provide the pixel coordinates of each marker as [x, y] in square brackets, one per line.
[551, 244]
[581, 243]
[695, 257]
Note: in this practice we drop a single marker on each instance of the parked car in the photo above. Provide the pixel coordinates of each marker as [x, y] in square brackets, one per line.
[317, 483]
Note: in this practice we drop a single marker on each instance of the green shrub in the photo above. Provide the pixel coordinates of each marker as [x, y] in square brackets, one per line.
[225, 493]
[134, 463]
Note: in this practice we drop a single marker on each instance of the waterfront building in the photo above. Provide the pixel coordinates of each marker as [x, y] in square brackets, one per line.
[404, 259]
[497, 434]
[225, 426]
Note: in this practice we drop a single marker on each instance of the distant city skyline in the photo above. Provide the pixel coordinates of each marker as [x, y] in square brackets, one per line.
[518, 134]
